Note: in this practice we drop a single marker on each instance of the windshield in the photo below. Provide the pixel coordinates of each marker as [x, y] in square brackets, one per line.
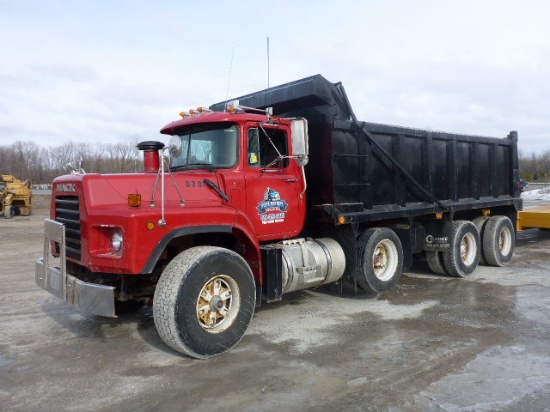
[212, 145]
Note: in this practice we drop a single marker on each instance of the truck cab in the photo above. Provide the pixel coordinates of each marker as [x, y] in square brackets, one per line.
[228, 185]
[250, 156]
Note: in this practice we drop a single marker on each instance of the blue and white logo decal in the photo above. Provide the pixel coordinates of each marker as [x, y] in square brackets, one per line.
[273, 209]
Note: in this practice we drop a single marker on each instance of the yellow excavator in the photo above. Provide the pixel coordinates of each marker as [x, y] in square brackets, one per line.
[15, 197]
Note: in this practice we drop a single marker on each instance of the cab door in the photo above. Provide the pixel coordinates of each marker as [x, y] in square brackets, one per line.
[275, 202]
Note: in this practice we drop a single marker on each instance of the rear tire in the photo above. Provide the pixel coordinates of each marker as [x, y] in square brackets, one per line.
[499, 241]
[435, 262]
[346, 239]
[463, 256]
[204, 301]
[381, 259]
[480, 224]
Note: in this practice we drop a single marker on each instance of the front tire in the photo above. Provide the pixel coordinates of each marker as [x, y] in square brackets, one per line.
[204, 301]
[9, 211]
[381, 259]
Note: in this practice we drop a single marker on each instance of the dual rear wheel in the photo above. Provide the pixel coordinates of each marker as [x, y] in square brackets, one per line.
[484, 240]
[498, 241]
[374, 260]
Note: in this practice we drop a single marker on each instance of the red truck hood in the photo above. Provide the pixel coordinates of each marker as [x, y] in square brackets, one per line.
[113, 190]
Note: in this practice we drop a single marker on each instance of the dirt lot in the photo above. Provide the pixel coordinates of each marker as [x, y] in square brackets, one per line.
[430, 344]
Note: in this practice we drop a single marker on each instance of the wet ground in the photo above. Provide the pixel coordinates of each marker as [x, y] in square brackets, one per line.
[430, 344]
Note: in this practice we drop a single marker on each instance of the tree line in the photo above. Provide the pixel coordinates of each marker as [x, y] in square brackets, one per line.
[28, 160]
[535, 167]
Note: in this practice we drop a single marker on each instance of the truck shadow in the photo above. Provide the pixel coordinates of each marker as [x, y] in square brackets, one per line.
[93, 328]
[342, 289]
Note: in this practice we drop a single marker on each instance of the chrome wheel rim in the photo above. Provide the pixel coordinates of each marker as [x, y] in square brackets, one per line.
[218, 304]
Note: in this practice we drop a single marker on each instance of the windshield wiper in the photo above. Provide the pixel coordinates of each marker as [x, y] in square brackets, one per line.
[216, 189]
[196, 165]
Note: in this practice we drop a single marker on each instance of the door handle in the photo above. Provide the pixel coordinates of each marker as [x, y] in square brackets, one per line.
[291, 180]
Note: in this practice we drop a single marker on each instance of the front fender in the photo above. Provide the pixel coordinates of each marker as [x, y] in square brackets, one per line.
[183, 231]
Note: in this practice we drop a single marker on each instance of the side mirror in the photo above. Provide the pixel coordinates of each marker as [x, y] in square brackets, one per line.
[175, 146]
[300, 148]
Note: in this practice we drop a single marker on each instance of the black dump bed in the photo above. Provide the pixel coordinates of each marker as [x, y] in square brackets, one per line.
[367, 171]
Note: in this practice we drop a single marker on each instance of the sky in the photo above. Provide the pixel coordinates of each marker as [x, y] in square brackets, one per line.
[117, 71]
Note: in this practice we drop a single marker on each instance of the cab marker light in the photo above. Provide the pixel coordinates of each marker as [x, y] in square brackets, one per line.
[134, 200]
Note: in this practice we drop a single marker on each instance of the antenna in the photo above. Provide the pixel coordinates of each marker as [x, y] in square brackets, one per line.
[268, 62]
[229, 77]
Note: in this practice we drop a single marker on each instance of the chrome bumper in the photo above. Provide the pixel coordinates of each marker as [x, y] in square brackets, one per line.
[84, 296]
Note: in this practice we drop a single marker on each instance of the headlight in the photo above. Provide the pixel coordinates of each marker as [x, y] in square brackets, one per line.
[116, 242]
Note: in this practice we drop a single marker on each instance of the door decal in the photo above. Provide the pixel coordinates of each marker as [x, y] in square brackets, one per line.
[272, 209]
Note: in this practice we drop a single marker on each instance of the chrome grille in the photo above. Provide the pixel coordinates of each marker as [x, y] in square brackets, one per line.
[67, 211]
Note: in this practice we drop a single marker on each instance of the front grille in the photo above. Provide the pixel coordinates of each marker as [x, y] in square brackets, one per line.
[67, 211]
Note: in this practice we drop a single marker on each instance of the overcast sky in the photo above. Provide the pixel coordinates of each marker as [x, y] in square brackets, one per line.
[110, 71]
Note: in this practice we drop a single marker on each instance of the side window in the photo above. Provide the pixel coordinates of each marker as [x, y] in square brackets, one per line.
[253, 147]
[265, 145]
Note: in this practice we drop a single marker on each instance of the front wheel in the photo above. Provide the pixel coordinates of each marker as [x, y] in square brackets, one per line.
[9, 211]
[204, 301]
[381, 259]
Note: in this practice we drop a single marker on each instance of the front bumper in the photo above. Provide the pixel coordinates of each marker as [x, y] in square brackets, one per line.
[84, 296]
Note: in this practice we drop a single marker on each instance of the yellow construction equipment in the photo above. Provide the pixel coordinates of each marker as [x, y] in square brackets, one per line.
[534, 218]
[16, 196]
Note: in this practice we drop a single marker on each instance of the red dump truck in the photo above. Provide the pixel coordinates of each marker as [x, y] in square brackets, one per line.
[277, 191]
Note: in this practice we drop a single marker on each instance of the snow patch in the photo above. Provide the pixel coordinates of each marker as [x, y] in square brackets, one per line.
[537, 194]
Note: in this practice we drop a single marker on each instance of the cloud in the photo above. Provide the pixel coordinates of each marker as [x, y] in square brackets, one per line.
[105, 72]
